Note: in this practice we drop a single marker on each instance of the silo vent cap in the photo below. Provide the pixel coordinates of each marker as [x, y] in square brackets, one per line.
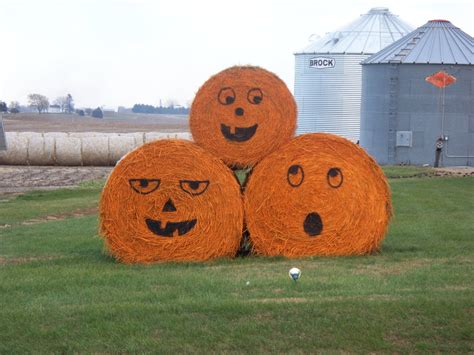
[378, 10]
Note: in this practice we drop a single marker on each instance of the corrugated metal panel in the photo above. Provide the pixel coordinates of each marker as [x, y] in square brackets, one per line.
[3, 140]
[367, 35]
[436, 42]
[329, 99]
[397, 98]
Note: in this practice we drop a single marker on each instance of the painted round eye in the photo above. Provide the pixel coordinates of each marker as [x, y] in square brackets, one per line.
[335, 177]
[144, 186]
[226, 96]
[255, 96]
[295, 175]
[194, 187]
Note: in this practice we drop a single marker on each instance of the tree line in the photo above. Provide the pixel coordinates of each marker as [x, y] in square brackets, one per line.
[65, 104]
[170, 110]
[40, 103]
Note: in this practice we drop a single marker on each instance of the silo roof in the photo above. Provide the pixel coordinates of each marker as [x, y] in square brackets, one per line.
[436, 42]
[367, 35]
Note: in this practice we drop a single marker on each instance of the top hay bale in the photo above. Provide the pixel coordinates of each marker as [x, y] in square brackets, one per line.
[242, 114]
[318, 195]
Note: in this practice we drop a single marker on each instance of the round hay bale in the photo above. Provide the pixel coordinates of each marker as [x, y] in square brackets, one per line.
[318, 195]
[170, 200]
[55, 134]
[87, 134]
[184, 135]
[68, 151]
[154, 136]
[139, 138]
[17, 150]
[95, 151]
[242, 114]
[41, 150]
[119, 146]
[29, 135]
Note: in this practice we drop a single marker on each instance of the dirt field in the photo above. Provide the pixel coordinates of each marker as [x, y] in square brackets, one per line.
[17, 179]
[112, 122]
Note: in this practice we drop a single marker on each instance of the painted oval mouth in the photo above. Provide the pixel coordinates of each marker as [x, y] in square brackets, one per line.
[313, 224]
[241, 134]
[170, 228]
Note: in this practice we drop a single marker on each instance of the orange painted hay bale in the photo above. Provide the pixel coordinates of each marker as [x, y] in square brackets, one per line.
[318, 195]
[170, 200]
[242, 114]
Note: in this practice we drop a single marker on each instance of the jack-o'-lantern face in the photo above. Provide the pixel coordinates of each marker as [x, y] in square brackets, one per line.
[170, 200]
[171, 228]
[243, 114]
[318, 195]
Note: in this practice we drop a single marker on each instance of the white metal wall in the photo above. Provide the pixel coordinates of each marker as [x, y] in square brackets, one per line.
[329, 98]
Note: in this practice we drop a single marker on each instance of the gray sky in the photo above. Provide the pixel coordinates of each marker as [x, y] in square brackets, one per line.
[121, 52]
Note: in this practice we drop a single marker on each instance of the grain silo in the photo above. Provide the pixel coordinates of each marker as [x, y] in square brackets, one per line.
[407, 120]
[3, 140]
[328, 72]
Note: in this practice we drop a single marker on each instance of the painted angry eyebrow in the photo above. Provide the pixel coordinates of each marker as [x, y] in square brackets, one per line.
[144, 186]
[194, 187]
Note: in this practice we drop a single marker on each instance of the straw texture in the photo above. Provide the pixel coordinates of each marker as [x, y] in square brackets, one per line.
[17, 150]
[170, 200]
[318, 195]
[75, 148]
[242, 114]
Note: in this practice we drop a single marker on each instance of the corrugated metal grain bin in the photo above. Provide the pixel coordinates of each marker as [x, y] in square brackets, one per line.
[328, 73]
[3, 140]
[407, 120]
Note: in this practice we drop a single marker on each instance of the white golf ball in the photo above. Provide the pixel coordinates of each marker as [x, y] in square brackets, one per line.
[294, 273]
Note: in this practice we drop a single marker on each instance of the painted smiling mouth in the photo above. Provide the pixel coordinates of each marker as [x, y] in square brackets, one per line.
[241, 134]
[171, 227]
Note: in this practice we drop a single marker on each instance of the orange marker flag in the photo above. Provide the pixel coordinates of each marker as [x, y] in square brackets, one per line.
[441, 79]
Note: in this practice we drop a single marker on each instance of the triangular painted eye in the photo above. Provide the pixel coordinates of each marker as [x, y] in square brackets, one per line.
[295, 175]
[144, 186]
[194, 187]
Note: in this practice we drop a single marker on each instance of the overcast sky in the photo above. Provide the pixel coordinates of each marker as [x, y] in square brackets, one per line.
[122, 52]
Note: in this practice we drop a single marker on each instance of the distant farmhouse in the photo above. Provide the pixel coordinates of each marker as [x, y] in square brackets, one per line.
[54, 109]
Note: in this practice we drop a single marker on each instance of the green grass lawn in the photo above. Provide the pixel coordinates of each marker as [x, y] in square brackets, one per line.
[60, 292]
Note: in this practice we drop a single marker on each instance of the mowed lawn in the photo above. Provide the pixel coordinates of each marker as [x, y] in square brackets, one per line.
[60, 292]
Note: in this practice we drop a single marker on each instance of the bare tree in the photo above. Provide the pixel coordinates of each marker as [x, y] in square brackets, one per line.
[66, 103]
[14, 107]
[61, 101]
[171, 103]
[39, 102]
[69, 103]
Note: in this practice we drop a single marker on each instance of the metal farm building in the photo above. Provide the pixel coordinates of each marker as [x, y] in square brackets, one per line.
[328, 73]
[3, 142]
[405, 119]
